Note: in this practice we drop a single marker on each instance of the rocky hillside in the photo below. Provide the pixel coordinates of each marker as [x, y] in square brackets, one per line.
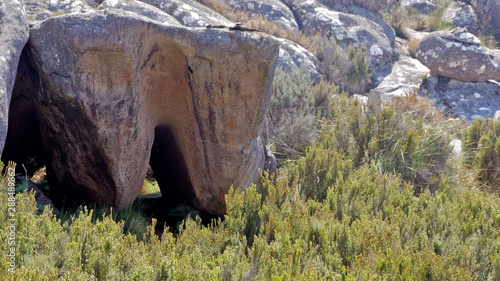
[98, 91]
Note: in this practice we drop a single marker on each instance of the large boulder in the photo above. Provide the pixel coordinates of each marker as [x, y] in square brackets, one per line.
[13, 37]
[458, 54]
[120, 91]
[461, 15]
[271, 10]
[407, 75]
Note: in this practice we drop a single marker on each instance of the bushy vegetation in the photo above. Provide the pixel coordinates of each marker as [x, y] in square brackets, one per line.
[347, 69]
[376, 195]
[292, 116]
[481, 148]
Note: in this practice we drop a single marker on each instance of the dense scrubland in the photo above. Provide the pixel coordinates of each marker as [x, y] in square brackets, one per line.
[365, 190]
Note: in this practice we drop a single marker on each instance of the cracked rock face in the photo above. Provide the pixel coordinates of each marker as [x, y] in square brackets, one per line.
[457, 54]
[119, 92]
[13, 35]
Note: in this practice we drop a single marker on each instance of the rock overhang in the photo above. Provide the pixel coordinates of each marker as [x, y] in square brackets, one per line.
[122, 75]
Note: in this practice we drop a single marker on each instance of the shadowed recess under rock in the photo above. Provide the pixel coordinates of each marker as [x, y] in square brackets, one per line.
[170, 170]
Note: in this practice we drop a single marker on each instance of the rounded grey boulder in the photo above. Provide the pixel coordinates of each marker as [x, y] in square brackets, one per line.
[457, 54]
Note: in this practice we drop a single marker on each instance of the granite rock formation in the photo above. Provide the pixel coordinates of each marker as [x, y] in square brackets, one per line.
[120, 91]
[458, 54]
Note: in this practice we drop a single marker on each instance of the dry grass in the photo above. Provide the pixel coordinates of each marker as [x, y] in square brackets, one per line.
[412, 47]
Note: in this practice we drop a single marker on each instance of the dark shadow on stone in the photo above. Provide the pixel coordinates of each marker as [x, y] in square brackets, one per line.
[23, 144]
[170, 169]
[178, 198]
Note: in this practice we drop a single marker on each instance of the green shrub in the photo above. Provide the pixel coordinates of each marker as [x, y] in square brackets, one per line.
[346, 210]
[295, 103]
[481, 150]
[412, 145]
[347, 69]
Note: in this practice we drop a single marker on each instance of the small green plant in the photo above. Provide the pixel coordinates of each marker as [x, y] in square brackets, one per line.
[150, 186]
[58, 13]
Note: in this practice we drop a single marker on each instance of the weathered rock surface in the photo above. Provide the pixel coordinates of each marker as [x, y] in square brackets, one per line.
[372, 5]
[189, 12]
[139, 8]
[423, 6]
[41, 10]
[350, 29]
[120, 91]
[488, 11]
[467, 100]
[271, 10]
[13, 37]
[406, 76]
[457, 54]
[461, 15]
[292, 57]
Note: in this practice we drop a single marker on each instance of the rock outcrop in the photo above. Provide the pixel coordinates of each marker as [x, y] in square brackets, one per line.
[140, 8]
[41, 10]
[423, 6]
[407, 75]
[467, 100]
[13, 35]
[372, 5]
[189, 12]
[120, 91]
[461, 15]
[293, 57]
[457, 54]
[270, 10]
[359, 27]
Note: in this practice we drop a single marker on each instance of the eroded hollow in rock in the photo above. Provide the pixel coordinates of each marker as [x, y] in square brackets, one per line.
[170, 170]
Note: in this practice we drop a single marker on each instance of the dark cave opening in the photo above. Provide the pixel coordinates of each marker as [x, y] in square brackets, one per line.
[170, 170]
[178, 199]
